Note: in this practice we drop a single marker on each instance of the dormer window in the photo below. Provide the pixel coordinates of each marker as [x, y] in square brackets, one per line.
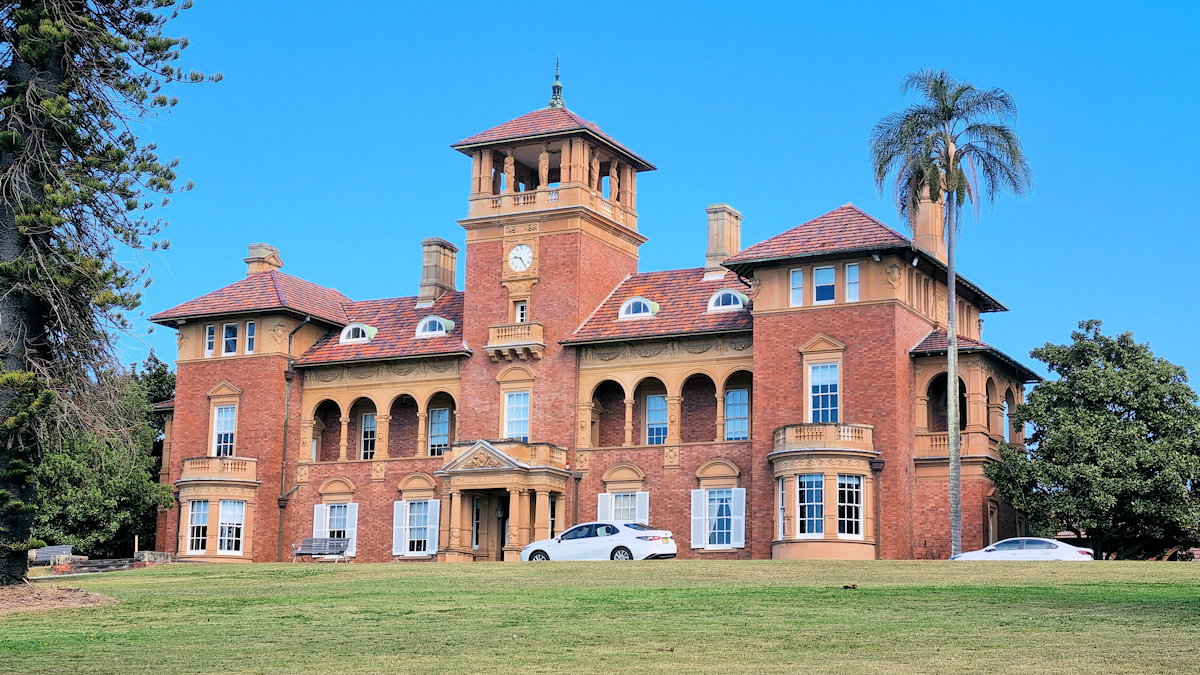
[726, 300]
[433, 326]
[638, 308]
[357, 332]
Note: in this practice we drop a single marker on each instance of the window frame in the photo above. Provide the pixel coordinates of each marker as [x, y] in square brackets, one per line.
[850, 281]
[831, 285]
[477, 520]
[745, 417]
[192, 527]
[809, 394]
[347, 337]
[409, 540]
[781, 491]
[796, 291]
[363, 439]
[509, 420]
[623, 497]
[423, 330]
[210, 339]
[344, 509]
[739, 298]
[855, 485]
[251, 330]
[646, 423]
[237, 529]
[216, 445]
[226, 338]
[625, 312]
[803, 519]
[520, 311]
[709, 532]
[430, 421]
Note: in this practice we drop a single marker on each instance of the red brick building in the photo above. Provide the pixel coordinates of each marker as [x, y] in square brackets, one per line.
[785, 400]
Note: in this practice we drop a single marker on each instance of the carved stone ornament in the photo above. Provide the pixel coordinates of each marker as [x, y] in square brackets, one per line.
[523, 228]
[483, 460]
[442, 365]
[650, 351]
[302, 474]
[404, 368]
[891, 275]
[671, 456]
[180, 341]
[583, 460]
[279, 332]
[697, 347]
[377, 469]
[327, 374]
[740, 344]
[364, 372]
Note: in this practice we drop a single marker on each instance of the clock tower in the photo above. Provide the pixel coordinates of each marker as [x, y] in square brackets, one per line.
[551, 229]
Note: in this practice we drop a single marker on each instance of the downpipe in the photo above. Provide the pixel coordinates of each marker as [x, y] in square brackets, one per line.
[284, 494]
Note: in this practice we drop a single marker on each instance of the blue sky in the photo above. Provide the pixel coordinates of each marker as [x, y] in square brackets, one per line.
[329, 138]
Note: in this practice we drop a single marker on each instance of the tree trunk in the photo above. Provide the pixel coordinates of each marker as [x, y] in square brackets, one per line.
[952, 412]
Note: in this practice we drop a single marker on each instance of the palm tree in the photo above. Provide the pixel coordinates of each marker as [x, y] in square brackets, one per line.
[953, 147]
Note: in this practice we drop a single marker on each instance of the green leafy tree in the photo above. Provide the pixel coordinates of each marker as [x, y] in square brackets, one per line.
[98, 493]
[952, 147]
[77, 187]
[1115, 451]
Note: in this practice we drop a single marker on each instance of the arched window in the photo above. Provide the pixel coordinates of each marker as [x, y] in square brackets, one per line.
[726, 300]
[357, 332]
[638, 307]
[434, 325]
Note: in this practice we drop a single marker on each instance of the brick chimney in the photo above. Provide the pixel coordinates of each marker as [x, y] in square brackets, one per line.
[724, 237]
[929, 229]
[262, 257]
[438, 258]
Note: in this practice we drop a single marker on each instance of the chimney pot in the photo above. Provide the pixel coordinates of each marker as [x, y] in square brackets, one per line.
[724, 237]
[438, 259]
[261, 258]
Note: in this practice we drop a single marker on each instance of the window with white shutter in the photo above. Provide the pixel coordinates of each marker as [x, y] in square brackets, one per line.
[719, 518]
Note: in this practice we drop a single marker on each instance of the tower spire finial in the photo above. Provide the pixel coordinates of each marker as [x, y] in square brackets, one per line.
[556, 99]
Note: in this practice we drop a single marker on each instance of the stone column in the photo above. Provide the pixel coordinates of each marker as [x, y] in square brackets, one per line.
[790, 497]
[922, 410]
[422, 434]
[306, 436]
[583, 413]
[541, 518]
[629, 421]
[455, 520]
[995, 420]
[382, 422]
[674, 412]
[512, 550]
[720, 417]
[344, 441]
[526, 514]
[476, 171]
[485, 172]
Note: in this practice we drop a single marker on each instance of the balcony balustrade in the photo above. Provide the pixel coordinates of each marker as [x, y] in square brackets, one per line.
[829, 436]
[515, 341]
[550, 198]
[243, 469]
[936, 444]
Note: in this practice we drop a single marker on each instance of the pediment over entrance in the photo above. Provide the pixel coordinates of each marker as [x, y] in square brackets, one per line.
[483, 455]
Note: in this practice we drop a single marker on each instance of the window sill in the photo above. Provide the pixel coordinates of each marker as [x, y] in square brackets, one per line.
[718, 549]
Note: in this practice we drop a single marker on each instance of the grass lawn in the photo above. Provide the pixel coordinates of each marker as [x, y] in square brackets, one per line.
[764, 616]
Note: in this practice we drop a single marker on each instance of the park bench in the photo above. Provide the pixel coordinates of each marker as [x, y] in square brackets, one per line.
[42, 556]
[321, 546]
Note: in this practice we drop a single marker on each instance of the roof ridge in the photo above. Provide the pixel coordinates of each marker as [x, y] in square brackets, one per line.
[602, 303]
[878, 221]
[274, 275]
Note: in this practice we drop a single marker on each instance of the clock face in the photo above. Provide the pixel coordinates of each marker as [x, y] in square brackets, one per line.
[520, 257]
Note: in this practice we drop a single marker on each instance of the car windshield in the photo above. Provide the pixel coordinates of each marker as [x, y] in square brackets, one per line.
[638, 526]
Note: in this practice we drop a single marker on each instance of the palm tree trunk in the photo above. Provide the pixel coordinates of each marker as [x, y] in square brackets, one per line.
[952, 411]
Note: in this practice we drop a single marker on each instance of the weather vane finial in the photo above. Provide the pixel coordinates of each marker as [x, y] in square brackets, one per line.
[556, 99]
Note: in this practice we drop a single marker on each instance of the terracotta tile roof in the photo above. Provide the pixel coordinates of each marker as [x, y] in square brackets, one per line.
[396, 320]
[847, 228]
[266, 290]
[938, 342]
[168, 404]
[682, 296]
[544, 122]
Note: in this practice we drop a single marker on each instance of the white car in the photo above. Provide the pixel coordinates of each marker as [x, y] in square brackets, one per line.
[1028, 548]
[606, 540]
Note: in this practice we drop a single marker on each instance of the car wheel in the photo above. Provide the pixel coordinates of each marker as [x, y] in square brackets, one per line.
[621, 553]
[538, 556]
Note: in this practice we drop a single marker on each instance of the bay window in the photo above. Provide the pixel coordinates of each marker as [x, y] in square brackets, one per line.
[232, 521]
[197, 527]
[850, 503]
[810, 505]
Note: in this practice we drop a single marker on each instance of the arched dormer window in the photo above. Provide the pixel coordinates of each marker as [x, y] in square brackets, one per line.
[357, 332]
[638, 308]
[433, 326]
[726, 300]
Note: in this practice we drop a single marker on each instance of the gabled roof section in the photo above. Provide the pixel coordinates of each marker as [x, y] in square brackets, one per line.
[396, 322]
[682, 297]
[269, 290]
[847, 228]
[937, 343]
[545, 122]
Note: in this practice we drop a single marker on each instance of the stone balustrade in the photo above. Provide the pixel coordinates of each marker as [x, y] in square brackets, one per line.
[549, 198]
[830, 436]
[936, 444]
[219, 468]
[515, 341]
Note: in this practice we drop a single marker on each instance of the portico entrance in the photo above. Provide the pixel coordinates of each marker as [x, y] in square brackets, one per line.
[501, 496]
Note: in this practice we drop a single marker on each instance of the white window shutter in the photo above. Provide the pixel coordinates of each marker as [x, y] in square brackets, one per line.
[604, 506]
[352, 527]
[319, 530]
[643, 508]
[698, 508]
[435, 508]
[399, 518]
[738, 511]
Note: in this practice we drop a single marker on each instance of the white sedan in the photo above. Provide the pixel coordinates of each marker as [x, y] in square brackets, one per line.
[607, 540]
[1028, 548]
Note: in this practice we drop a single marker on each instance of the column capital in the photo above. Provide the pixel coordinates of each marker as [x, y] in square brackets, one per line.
[383, 418]
[344, 420]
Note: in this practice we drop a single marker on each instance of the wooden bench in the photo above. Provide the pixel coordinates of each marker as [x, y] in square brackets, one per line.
[321, 546]
[42, 556]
